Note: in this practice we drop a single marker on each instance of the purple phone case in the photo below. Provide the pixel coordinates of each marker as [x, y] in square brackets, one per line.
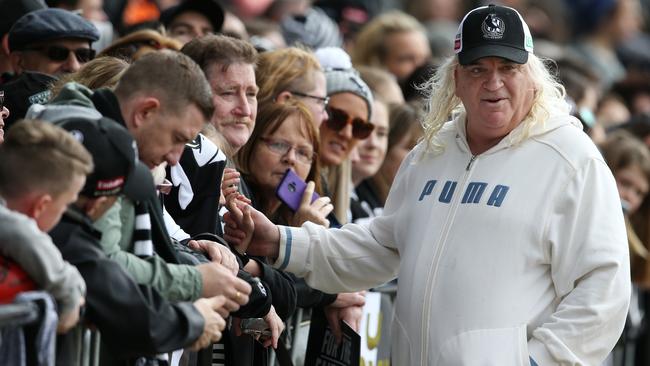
[290, 190]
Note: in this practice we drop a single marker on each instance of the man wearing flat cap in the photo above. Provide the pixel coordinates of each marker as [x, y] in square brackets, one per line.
[43, 45]
[504, 225]
[51, 41]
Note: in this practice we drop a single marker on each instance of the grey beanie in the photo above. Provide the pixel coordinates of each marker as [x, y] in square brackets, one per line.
[313, 29]
[341, 76]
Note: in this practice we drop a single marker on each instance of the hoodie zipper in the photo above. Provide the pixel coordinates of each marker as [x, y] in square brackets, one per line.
[433, 270]
[469, 165]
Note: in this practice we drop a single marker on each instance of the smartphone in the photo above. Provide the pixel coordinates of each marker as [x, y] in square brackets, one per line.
[291, 189]
[255, 327]
[165, 186]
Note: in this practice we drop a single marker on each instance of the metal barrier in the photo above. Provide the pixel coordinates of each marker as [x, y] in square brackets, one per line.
[17, 315]
[28, 330]
[90, 347]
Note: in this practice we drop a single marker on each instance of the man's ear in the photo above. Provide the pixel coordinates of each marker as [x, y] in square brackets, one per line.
[283, 97]
[39, 204]
[144, 109]
[5, 44]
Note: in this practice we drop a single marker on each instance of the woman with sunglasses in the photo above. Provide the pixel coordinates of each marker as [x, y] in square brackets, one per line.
[349, 110]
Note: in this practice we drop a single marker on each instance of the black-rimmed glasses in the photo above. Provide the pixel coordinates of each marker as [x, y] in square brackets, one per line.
[60, 53]
[2, 100]
[324, 101]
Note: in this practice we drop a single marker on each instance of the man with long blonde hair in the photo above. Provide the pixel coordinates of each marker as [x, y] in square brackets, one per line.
[504, 225]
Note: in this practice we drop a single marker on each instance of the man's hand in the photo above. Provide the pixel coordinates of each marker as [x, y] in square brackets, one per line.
[218, 280]
[68, 320]
[347, 307]
[352, 315]
[214, 312]
[345, 299]
[265, 241]
[217, 253]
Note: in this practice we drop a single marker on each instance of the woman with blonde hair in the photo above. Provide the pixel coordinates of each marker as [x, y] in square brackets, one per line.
[101, 72]
[394, 41]
[292, 73]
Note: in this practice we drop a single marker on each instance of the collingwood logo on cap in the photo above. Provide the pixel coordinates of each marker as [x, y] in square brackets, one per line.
[493, 27]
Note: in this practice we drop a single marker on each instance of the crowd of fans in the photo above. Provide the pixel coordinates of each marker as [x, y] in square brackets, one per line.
[130, 128]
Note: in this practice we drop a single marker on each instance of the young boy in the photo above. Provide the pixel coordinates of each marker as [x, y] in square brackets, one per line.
[42, 168]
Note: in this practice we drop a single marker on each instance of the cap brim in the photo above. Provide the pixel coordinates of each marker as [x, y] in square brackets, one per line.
[139, 184]
[516, 55]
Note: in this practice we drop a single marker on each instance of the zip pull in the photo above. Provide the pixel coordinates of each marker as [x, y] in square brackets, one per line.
[469, 165]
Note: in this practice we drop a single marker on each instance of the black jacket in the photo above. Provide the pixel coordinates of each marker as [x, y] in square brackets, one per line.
[133, 319]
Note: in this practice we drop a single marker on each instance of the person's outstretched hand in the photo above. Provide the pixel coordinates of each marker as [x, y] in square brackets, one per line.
[265, 240]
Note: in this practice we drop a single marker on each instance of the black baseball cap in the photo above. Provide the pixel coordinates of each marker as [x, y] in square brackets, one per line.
[493, 30]
[208, 8]
[22, 91]
[117, 167]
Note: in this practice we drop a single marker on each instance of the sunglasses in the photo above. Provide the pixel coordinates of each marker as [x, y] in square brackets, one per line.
[2, 100]
[60, 53]
[339, 119]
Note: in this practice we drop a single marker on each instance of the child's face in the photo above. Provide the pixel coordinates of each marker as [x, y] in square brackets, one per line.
[632, 186]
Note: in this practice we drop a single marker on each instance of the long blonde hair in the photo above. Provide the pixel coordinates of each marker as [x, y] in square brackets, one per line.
[443, 102]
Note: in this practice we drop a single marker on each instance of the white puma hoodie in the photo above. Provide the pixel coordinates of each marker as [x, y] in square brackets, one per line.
[517, 252]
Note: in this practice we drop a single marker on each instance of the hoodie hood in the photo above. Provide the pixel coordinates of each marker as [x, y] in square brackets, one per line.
[557, 118]
[73, 101]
